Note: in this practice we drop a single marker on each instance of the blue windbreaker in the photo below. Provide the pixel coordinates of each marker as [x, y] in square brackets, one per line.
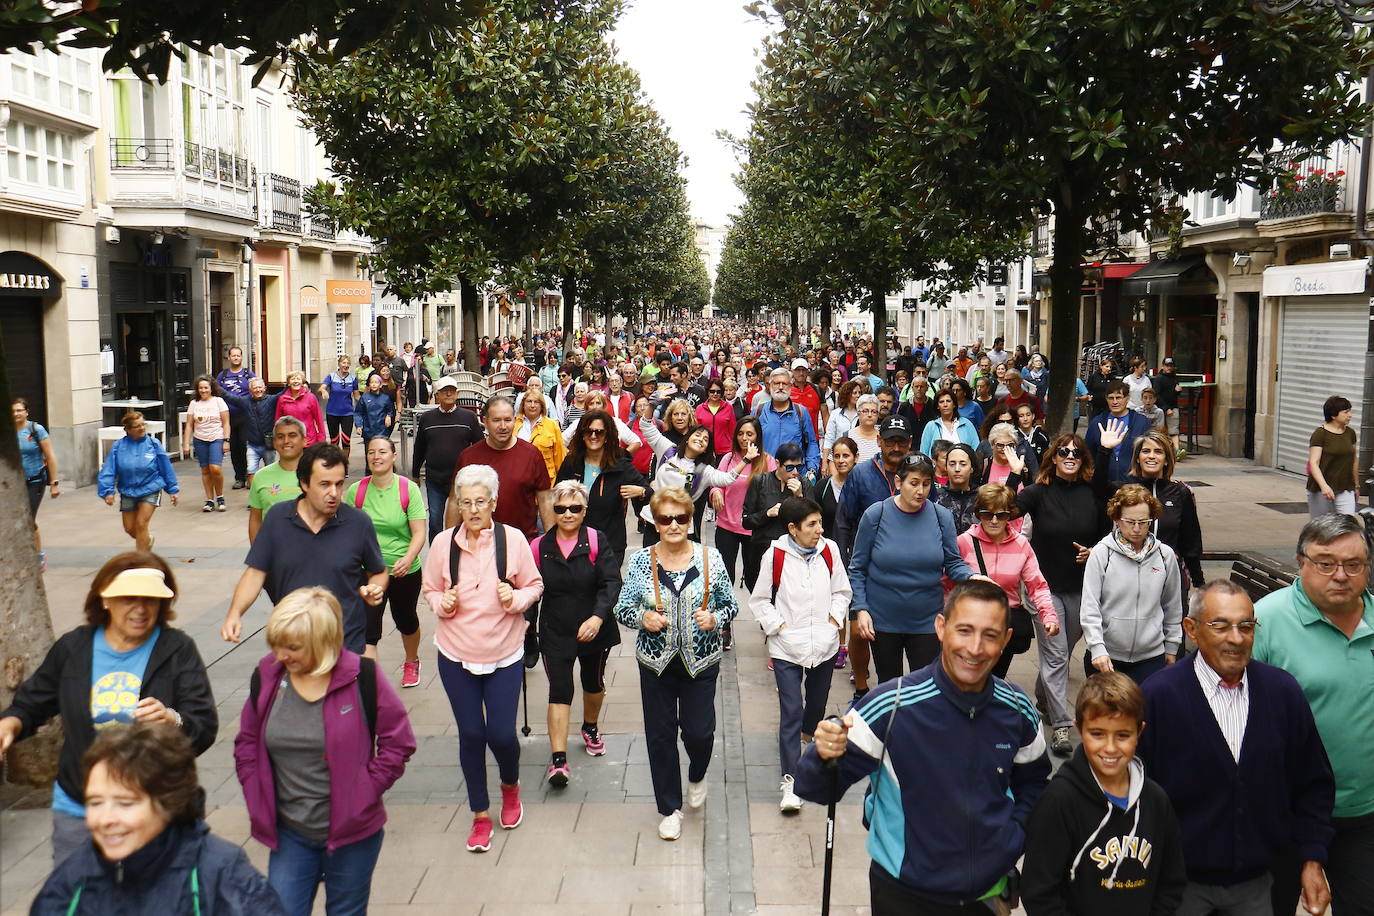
[137, 467]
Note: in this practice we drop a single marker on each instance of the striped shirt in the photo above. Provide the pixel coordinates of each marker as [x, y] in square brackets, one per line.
[1230, 705]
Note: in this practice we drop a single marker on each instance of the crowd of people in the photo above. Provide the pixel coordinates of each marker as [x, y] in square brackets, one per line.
[900, 514]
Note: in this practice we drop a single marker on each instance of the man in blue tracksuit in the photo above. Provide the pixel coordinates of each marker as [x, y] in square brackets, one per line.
[955, 762]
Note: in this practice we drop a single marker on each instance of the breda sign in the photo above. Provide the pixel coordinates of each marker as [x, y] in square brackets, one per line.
[24, 275]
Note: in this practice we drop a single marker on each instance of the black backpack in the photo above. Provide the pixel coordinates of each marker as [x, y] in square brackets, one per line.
[498, 540]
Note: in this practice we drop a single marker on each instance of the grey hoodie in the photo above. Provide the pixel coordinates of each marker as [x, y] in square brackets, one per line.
[1132, 606]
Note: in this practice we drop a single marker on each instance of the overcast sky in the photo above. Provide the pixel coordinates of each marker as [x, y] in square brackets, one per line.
[697, 60]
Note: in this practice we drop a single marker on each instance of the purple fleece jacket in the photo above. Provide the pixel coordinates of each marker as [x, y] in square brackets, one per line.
[358, 776]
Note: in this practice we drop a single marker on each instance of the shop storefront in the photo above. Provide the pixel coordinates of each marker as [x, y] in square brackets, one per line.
[27, 285]
[1324, 311]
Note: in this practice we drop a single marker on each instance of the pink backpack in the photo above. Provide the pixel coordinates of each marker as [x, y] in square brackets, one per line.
[366, 481]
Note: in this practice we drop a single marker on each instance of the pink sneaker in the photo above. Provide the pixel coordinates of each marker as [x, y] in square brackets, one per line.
[512, 812]
[557, 775]
[480, 838]
[591, 739]
[410, 674]
[841, 657]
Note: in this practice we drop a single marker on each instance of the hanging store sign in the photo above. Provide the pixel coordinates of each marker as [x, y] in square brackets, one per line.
[24, 275]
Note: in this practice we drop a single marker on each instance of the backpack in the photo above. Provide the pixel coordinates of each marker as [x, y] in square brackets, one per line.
[499, 545]
[593, 540]
[366, 481]
[367, 691]
[780, 557]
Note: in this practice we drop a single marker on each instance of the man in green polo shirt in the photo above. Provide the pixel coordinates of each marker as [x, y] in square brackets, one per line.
[1321, 630]
[276, 482]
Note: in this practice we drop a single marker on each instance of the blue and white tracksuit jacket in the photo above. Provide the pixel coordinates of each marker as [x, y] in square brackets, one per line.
[949, 796]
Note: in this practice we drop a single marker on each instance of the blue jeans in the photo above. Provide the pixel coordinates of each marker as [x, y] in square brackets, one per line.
[297, 866]
[435, 498]
[484, 707]
[796, 716]
[259, 457]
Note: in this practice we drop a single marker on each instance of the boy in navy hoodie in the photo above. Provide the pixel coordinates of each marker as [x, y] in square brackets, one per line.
[1103, 838]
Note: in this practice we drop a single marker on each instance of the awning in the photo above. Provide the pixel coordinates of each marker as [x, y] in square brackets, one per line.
[1121, 270]
[1333, 278]
[1161, 278]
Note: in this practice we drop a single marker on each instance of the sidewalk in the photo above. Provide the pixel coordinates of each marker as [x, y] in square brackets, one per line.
[592, 847]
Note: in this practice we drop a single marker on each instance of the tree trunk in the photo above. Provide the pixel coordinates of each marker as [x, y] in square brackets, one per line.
[470, 301]
[1066, 281]
[25, 625]
[794, 337]
[877, 302]
[569, 302]
[827, 318]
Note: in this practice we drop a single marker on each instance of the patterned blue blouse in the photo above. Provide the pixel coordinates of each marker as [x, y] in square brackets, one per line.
[681, 594]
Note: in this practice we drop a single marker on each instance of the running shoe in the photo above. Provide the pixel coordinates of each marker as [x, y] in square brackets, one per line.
[860, 694]
[1181, 454]
[696, 794]
[209, 506]
[410, 674]
[240, 485]
[512, 812]
[220, 506]
[842, 657]
[670, 828]
[591, 739]
[790, 803]
[727, 639]
[770, 663]
[557, 776]
[1062, 744]
[479, 840]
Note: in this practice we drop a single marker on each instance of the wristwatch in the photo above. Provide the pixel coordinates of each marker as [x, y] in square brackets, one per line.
[177, 715]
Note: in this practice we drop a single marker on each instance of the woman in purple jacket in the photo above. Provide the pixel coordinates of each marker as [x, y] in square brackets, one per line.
[312, 778]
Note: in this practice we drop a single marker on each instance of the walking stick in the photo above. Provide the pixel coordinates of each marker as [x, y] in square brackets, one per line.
[525, 693]
[833, 768]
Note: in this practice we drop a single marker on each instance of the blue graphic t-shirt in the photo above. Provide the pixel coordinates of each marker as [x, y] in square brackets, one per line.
[116, 686]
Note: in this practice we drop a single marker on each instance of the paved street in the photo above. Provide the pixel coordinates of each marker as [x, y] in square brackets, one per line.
[589, 848]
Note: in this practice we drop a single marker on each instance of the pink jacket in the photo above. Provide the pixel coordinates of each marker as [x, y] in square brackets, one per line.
[480, 629]
[1010, 562]
[729, 515]
[305, 408]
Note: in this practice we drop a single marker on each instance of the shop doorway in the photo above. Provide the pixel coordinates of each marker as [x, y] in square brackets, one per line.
[142, 344]
[1191, 342]
[21, 329]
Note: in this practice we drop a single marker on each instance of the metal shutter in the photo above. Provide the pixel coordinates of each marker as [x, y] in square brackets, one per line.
[1321, 353]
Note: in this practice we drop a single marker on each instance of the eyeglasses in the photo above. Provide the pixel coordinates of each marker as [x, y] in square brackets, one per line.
[476, 505]
[1222, 627]
[988, 515]
[1135, 522]
[594, 433]
[1004, 445]
[1328, 567]
[792, 467]
[568, 510]
[1065, 451]
[682, 519]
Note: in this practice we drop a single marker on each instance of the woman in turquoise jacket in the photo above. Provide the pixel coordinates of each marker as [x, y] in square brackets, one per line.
[138, 467]
[948, 425]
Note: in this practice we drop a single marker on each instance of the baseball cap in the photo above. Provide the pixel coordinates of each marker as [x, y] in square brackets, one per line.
[445, 382]
[144, 582]
[800, 363]
[1168, 360]
[894, 428]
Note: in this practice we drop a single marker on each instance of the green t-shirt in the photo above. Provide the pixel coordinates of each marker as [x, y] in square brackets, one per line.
[272, 485]
[435, 365]
[390, 521]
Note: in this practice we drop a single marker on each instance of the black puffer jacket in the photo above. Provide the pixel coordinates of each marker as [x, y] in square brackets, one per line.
[157, 879]
[575, 590]
[62, 686]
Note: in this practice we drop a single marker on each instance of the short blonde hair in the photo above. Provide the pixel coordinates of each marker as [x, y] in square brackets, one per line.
[570, 488]
[1003, 432]
[293, 374]
[671, 496]
[313, 618]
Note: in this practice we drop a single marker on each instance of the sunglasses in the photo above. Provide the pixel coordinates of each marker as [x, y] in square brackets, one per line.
[988, 514]
[682, 519]
[1065, 451]
[568, 510]
[596, 433]
[792, 467]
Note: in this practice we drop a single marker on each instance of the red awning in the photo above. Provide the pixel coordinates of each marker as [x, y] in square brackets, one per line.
[1120, 270]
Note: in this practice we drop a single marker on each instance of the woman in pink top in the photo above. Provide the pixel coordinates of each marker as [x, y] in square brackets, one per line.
[300, 402]
[991, 548]
[728, 501]
[207, 431]
[480, 595]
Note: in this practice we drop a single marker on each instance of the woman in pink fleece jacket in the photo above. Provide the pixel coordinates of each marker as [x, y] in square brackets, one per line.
[1007, 559]
[481, 640]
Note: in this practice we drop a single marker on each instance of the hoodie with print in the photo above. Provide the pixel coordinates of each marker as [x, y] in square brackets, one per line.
[1132, 606]
[1087, 856]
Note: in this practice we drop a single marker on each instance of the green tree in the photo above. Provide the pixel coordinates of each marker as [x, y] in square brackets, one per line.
[998, 112]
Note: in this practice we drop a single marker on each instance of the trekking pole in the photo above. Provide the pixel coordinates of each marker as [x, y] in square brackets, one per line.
[833, 768]
[525, 693]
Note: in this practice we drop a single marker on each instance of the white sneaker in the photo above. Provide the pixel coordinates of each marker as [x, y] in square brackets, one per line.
[696, 794]
[670, 828]
[790, 803]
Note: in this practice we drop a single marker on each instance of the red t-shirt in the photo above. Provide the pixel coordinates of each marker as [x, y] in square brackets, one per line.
[523, 476]
[808, 398]
[1025, 397]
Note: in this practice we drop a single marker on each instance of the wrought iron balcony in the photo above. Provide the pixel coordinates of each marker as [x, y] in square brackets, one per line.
[136, 153]
[1309, 186]
[284, 196]
[320, 228]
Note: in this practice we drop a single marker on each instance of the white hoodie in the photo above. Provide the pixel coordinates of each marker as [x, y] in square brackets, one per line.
[803, 626]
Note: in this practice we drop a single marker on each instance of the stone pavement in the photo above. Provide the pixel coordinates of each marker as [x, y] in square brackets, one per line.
[592, 847]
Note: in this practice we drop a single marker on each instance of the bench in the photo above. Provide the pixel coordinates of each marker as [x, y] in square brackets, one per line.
[1258, 575]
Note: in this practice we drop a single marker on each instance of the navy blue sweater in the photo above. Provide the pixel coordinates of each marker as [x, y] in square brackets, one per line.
[1235, 817]
[897, 563]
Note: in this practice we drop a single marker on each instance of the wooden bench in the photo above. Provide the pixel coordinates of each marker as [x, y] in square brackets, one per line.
[1258, 575]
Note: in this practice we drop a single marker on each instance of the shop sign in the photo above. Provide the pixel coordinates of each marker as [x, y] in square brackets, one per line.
[24, 275]
[348, 292]
[1334, 278]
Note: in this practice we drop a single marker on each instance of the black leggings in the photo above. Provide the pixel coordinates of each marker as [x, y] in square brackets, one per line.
[591, 666]
[920, 649]
[729, 544]
[340, 430]
[753, 560]
[402, 594]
